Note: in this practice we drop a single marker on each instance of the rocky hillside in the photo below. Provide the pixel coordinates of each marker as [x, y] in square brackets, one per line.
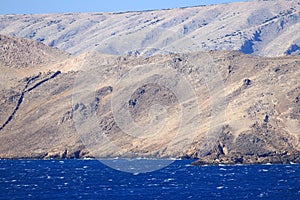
[23, 53]
[267, 28]
[222, 107]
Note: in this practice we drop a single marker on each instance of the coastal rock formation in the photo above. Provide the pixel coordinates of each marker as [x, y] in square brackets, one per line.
[219, 83]
[219, 106]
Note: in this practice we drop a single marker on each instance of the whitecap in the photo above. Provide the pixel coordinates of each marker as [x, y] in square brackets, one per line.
[169, 179]
[264, 194]
[290, 171]
[152, 184]
[87, 158]
[263, 170]
[268, 164]
[238, 165]
[230, 174]
[282, 180]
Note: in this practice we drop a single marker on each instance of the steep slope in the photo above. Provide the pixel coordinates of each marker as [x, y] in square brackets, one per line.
[268, 28]
[24, 66]
[222, 107]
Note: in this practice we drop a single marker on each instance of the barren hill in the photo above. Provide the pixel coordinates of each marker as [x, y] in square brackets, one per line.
[23, 53]
[268, 28]
[222, 107]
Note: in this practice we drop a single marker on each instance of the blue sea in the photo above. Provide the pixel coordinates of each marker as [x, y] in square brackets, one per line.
[90, 179]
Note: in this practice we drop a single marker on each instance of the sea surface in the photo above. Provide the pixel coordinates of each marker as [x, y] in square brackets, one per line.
[90, 179]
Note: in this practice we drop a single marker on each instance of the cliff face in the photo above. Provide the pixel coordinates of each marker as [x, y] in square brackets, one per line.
[222, 107]
[267, 28]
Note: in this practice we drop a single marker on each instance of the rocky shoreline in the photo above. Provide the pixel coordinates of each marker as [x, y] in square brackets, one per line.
[244, 160]
[213, 159]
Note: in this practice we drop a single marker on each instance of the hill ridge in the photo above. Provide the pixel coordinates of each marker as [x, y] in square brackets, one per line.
[267, 28]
